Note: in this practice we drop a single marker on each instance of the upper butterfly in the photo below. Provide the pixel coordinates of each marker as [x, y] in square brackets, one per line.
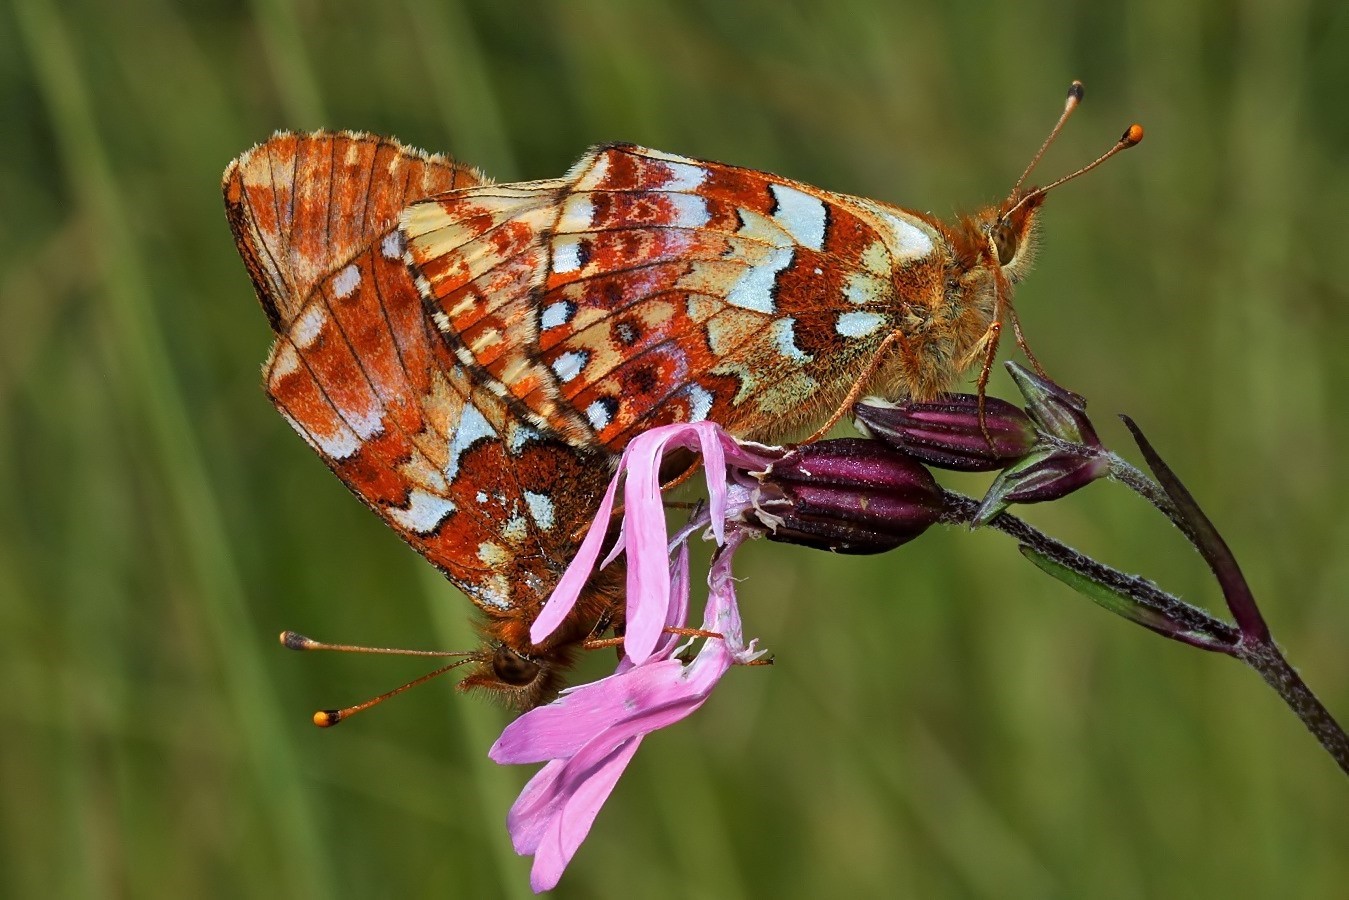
[492, 501]
[644, 288]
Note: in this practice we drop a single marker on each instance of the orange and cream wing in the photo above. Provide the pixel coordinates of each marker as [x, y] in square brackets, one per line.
[301, 204]
[645, 288]
[359, 372]
[364, 379]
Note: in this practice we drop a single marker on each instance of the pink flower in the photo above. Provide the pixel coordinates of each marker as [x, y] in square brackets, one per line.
[846, 495]
[644, 537]
[589, 734]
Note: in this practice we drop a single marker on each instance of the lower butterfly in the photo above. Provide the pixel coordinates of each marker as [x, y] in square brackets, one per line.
[488, 498]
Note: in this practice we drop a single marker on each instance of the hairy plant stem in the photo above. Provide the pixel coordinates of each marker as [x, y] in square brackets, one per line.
[1262, 655]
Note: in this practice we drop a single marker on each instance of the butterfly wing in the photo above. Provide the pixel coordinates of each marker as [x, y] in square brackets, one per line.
[488, 499]
[301, 204]
[645, 288]
[357, 370]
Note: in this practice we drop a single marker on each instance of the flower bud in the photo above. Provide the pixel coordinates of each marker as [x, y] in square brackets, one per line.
[947, 433]
[1045, 475]
[1056, 410]
[849, 496]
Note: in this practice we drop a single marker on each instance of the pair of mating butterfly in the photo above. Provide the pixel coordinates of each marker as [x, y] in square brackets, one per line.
[470, 357]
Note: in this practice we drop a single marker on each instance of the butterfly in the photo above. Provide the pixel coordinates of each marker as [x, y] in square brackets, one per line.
[643, 288]
[468, 357]
[490, 499]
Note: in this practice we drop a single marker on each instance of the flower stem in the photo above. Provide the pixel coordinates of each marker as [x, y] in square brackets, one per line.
[1288, 684]
[1192, 625]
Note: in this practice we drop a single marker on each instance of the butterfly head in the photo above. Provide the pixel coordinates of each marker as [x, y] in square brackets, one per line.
[1009, 231]
[518, 679]
[522, 675]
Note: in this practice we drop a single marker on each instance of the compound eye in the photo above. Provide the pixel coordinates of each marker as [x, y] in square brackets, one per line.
[1005, 241]
[512, 668]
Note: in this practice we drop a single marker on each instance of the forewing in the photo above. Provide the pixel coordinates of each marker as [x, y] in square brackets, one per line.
[646, 288]
[301, 205]
[487, 498]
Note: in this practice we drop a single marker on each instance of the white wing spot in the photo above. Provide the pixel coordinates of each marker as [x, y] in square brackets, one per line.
[754, 289]
[490, 554]
[424, 512]
[366, 423]
[857, 324]
[515, 530]
[577, 214]
[861, 289]
[700, 402]
[557, 313]
[472, 428]
[336, 446]
[569, 365]
[784, 334]
[801, 215]
[284, 361]
[541, 509]
[910, 240]
[876, 258]
[346, 280]
[521, 435]
[684, 176]
[690, 211]
[393, 245]
[566, 254]
[306, 328]
[600, 413]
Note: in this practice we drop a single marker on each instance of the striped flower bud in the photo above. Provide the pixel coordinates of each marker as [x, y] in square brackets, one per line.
[947, 433]
[849, 496]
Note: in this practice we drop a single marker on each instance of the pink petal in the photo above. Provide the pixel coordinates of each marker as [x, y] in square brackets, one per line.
[563, 727]
[714, 469]
[567, 828]
[532, 810]
[578, 572]
[648, 557]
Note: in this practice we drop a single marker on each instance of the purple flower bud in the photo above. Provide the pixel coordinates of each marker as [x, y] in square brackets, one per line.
[1046, 475]
[947, 433]
[849, 496]
[1056, 410]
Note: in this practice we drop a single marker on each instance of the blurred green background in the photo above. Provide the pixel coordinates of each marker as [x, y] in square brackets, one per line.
[943, 721]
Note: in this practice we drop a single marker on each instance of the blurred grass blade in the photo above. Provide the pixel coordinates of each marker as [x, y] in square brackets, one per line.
[171, 436]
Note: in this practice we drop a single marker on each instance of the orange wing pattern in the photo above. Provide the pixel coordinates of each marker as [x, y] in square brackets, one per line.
[357, 370]
[301, 204]
[644, 288]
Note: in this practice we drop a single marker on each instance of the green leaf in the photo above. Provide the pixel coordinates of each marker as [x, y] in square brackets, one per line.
[1121, 604]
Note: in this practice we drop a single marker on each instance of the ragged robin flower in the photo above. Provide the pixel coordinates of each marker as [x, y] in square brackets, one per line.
[849, 495]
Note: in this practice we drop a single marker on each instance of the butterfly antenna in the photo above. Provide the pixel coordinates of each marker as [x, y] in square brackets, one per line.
[1075, 93]
[1132, 136]
[326, 718]
[293, 640]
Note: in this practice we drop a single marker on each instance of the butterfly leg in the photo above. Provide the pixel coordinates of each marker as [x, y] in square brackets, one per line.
[855, 392]
[1021, 342]
[987, 346]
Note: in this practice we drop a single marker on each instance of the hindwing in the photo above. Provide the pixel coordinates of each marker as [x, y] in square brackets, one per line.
[301, 204]
[492, 501]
